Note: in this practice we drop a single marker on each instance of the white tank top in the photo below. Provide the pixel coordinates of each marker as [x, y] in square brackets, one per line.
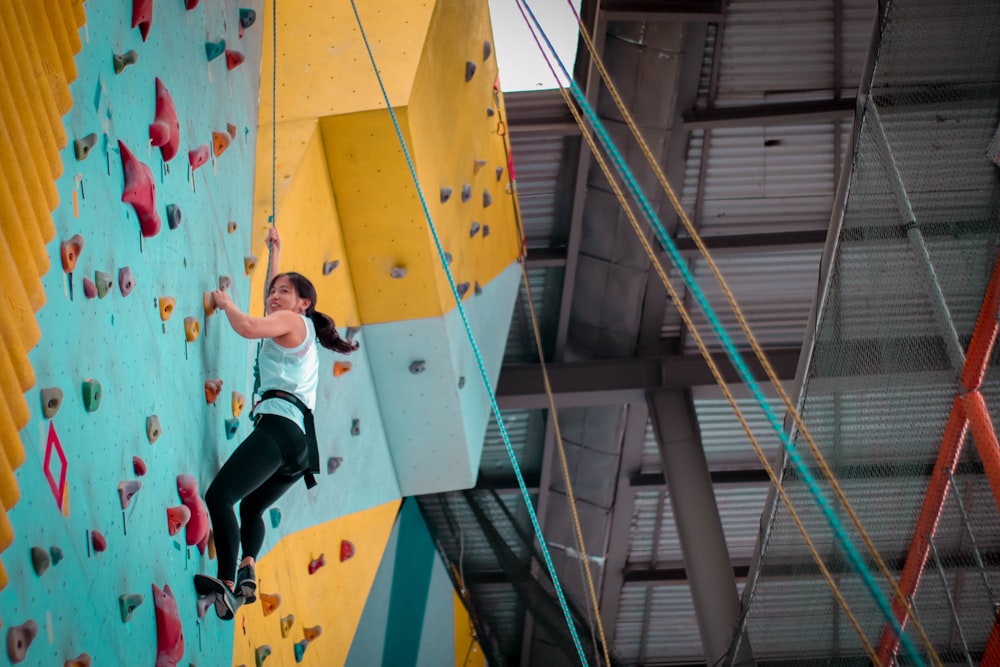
[291, 369]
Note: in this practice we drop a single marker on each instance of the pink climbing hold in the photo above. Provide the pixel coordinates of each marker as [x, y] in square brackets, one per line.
[127, 491]
[165, 132]
[234, 59]
[19, 638]
[197, 526]
[97, 541]
[317, 563]
[169, 633]
[177, 518]
[199, 156]
[140, 191]
[142, 16]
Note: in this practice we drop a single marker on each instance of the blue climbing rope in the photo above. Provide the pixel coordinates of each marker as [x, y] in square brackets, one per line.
[836, 526]
[475, 348]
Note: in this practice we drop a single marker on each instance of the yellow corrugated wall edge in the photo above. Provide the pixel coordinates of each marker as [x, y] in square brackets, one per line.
[42, 41]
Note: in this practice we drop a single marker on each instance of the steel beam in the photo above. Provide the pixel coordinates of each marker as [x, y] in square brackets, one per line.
[688, 11]
[699, 527]
[616, 381]
[780, 113]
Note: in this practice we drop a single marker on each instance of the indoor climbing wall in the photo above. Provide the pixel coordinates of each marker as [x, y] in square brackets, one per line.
[139, 390]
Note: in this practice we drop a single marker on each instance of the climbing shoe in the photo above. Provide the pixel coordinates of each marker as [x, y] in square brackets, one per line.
[226, 602]
[246, 584]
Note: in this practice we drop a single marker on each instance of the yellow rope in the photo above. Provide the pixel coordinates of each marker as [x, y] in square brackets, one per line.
[758, 351]
[713, 367]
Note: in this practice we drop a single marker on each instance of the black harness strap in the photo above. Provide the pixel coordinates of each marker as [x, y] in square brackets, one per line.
[312, 463]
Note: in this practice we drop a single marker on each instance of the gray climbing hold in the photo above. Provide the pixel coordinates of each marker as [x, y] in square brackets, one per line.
[477, 289]
[328, 267]
[173, 216]
[332, 464]
[487, 198]
[225, 282]
[51, 401]
[82, 146]
[461, 381]
[474, 229]
[417, 367]
[355, 427]
[352, 332]
[448, 258]
[477, 165]
[152, 428]
[463, 288]
[470, 70]
[398, 272]
[40, 560]
[466, 193]
[486, 231]
[489, 112]
[499, 173]
[123, 60]
[445, 194]
[126, 283]
[487, 50]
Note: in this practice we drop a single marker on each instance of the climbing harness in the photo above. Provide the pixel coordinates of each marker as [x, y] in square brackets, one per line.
[312, 462]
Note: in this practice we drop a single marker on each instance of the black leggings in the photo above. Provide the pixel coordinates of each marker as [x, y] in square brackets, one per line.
[262, 468]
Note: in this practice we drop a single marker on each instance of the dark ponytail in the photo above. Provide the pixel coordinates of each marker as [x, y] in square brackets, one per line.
[326, 330]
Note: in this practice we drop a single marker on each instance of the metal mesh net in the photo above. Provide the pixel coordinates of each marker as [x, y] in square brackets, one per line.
[915, 250]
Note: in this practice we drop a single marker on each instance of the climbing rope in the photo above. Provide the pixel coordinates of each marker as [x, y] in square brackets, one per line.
[713, 367]
[744, 325]
[853, 556]
[475, 348]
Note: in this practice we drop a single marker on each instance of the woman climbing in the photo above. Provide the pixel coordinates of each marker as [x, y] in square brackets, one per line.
[282, 447]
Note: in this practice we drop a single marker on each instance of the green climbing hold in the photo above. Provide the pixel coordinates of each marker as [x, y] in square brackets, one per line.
[261, 654]
[232, 425]
[275, 514]
[82, 146]
[91, 395]
[103, 282]
[247, 17]
[57, 555]
[127, 604]
[215, 49]
[300, 650]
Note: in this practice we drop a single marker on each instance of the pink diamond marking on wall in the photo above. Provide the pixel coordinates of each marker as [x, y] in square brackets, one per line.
[52, 443]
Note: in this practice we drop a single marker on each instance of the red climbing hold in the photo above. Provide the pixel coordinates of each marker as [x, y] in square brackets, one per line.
[190, 4]
[234, 59]
[177, 518]
[165, 132]
[140, 191]
[98, 541]
[82, 660]
[197, 526]
[139, 466]
[169, 633]
[220, 142]
[142, 16]
[317, 563]
[199, 156]
[212, 389]
[346, 550]
[231, 129]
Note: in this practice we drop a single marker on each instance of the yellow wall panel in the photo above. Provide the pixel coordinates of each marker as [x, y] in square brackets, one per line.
[333, 597]
[291, 138]
[310, 232]
[468, 652]
[323, 68]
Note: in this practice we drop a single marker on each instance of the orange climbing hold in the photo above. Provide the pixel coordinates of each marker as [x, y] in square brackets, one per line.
[177, 518]
[69, 252]
[167, 304]
[238, 402]
[340, 367]
[313, 633]
[192, 329]
[269, 602]
[249, 264]
[220, 142]
[212, 389]
[82, 660]
[208, 302]
[169, 632]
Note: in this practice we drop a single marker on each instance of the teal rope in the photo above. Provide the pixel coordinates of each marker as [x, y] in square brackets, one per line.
[475, 348]
[853, 557]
